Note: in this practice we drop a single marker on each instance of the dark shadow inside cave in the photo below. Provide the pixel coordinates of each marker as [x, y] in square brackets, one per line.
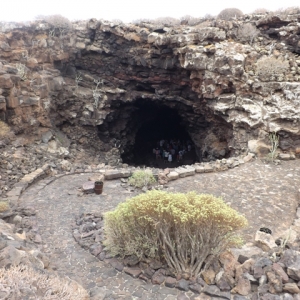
[133, 129]
[159, 122]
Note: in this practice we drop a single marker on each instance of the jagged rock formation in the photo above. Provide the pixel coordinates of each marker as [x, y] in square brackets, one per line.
[101, 83]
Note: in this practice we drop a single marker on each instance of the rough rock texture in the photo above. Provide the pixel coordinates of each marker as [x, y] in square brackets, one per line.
[101, 82]
[20, 245]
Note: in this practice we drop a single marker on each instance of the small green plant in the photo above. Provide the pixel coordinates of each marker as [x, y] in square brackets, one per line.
[186, 231]
[284, 241]
[22, 71]
[97, 93]
[274, 139]
[3, 206]
[142, 178]
[78, 78]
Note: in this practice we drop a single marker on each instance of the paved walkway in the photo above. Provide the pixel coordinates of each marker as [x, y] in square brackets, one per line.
[266, 194]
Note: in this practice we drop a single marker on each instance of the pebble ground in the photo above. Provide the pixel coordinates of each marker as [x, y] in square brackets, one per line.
[266, 194]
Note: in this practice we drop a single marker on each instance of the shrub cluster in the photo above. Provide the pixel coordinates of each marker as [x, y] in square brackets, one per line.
[284, 12]
[57, 22]
[260, 11]
[192, 21]
[229, 13]
[142, 178]
[185, 231]
[248, 32]
[268, 66]
[162, 21]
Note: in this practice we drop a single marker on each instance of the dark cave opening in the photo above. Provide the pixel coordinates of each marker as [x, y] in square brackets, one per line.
[132, 132]
[156, 123]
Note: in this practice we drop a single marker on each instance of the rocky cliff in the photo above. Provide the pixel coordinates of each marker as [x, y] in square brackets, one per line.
[230, 82]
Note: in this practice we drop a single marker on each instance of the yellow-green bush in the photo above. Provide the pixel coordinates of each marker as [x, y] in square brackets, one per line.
[3, 206]
[142, 178]
[4, 129]
[182, 230]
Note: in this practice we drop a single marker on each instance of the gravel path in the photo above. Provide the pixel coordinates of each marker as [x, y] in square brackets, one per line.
[266, 194]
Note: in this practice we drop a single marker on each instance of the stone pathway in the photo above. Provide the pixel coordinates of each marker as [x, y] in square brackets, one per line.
[266, 194]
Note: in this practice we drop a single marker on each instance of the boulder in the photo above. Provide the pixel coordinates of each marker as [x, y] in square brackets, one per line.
[117, 173]
[264, 241]
[10, 256]
[291, 260]
[279, 271]
[88, 187]
[5, 81]
[243, 286]
[291, 288]
[185, 171]
[248, 157]
[62, 151]
[209, 276]
[52, 146]
[208, 168]
[96, 177]
[173, 175]
[286, 156]
[258, 148]
[46, 136]
[199, 169]
[65, 165]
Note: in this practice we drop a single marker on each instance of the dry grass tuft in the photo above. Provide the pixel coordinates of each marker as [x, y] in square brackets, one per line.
[24, 282]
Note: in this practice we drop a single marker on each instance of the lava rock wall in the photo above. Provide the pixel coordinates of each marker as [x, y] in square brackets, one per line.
[87, 82]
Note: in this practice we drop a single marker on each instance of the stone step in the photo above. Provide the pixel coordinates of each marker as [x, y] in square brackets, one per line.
[185, 171]
[115, 174]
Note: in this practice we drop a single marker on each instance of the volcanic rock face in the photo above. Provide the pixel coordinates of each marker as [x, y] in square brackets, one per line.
[105, 85]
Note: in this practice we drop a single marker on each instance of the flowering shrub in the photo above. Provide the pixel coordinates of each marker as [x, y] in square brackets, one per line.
[183, 230]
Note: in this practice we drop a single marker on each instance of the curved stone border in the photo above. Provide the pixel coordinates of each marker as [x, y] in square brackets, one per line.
[121, 173]
[25, 182]
[207, 167]
[111, 173]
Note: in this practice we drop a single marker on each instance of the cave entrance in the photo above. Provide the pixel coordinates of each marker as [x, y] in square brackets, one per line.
[158, 123]
[133, 129]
